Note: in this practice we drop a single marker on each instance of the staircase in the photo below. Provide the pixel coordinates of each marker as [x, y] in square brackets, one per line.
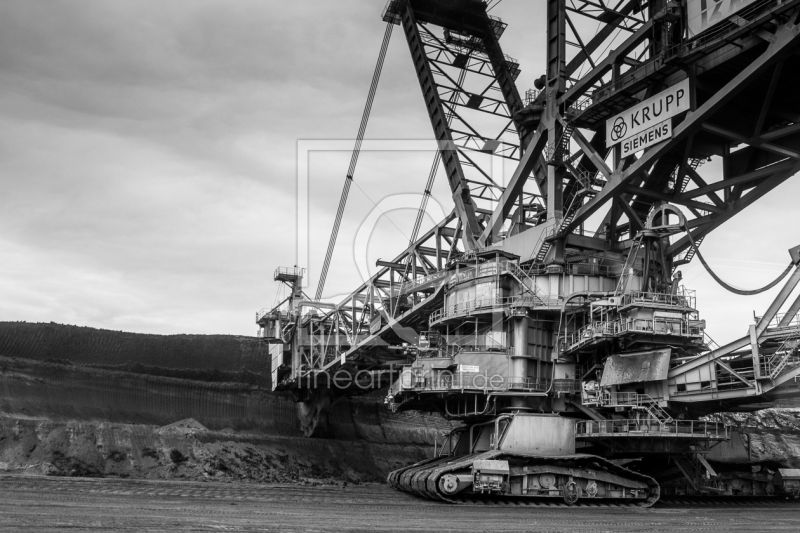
[710, 344]
[694, 469]
[531, 286]
[690, 253]
[777, 363]
[781, 364]
[543, 252]
[694, 163]
[543, 245]
[677, 188]
[641, 401]
[562, 146]
[655, 410]
[559, 228]
[691, 471]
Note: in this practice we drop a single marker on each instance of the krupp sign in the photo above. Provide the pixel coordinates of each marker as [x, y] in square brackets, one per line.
[648, 113]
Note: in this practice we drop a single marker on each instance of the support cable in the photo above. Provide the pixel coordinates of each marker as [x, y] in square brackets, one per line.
[731, 288]
[354, 159]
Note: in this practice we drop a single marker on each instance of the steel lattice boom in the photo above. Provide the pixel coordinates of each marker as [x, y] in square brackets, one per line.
[557, 290]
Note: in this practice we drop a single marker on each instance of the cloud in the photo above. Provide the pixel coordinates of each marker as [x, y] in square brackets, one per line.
[148, 155]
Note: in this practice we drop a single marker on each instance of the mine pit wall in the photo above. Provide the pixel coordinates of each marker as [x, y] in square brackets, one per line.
[85, 401]
[69, 392]
[204, 357]
[92, 384]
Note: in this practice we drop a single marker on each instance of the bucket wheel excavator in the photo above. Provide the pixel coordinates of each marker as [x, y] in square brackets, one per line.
[546, 313]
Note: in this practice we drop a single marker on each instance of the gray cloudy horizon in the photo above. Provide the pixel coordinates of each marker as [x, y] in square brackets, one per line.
[148, 160]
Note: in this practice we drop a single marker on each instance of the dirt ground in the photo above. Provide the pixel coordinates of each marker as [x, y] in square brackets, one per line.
[186, 450]
[82, 504]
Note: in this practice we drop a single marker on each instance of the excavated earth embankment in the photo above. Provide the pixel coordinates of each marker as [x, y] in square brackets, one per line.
[774, 436]
[81, 401]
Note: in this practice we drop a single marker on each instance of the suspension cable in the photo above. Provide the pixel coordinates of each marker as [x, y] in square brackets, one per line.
[354, 159]
[731, 288]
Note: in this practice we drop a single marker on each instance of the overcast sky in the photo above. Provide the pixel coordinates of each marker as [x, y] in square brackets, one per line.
[148, 159]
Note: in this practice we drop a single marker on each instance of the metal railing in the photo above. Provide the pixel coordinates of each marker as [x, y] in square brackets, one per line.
[451, 350]
[656, 326]
[483, 304]
[447, 381]
[641, 71]
[273, 314]
[521, 275]
[794, 323]
[709, 343]
[644, 428]
[785, 357]
[580, 269]
[608, 398]
[289, 271]
[422, 280]
[742, 18]
[673, 300]
[568, 386]
[579, 105]
[530, 96]
[505, 266]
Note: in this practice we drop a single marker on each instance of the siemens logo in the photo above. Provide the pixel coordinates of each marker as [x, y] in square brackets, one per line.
[649, 137]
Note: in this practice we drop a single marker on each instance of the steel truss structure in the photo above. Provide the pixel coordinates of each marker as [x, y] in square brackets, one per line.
[565, 272]
[564, 175]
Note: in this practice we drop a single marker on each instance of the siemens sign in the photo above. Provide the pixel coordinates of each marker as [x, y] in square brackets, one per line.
[702, 14]
[648, 113]
[648, 137]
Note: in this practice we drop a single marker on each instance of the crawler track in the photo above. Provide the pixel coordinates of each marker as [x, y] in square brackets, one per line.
[422, 479]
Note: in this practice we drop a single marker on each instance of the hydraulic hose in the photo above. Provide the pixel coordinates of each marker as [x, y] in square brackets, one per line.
[729, 287]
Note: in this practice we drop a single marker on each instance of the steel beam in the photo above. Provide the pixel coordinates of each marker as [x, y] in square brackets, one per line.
[785, 38]
[751, 338]
[734, 373]
[596, 74]
[515, 185]
[715, 220]
[751, 141]
[737, 180]
[790, 313]
[778, 302]
[640, 191]
[465, 207]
